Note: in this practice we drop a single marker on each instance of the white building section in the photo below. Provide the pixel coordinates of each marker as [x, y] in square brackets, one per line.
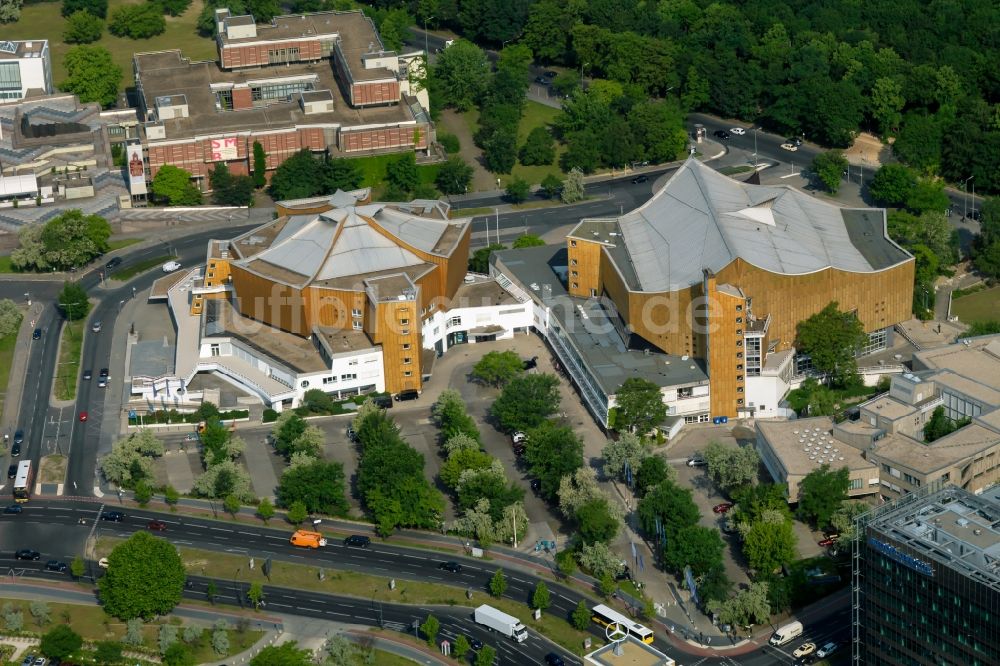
[24, 66]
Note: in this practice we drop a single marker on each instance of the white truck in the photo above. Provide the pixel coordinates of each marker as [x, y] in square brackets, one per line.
[496, 620]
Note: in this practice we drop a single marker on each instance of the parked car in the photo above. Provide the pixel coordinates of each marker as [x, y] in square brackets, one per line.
[13, 509]
[804, 650]
[696, 461]
[789, 147]
[722, 508]
[37, 335]
[827, 542]
[552, 659]
[409, 394]
[519, 449]
[103, 563]
[536, 485]
[156, 525]
[12, 471]
[113, 263]
[826, 650]
[351, 434]
[28, 660]
[518, 437]
[15, 450]
[357, 541]
[541, 80]
[639, 179]
[56, 565]
[475, 644]
[27, 554]
[171, 266]
[113, 516]
[625, 574]
[795, 141]
[19, 436]
[738, 131]
[84, 416]
[382, 401]
[722, 134]
[453, 567]
[531, 363]
[550, 74]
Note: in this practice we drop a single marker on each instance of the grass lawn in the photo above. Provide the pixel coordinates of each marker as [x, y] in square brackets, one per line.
[383, 658]
[141, 267]
[5, 265]
[536, 115]
[68, 369]
[123, 242]
[299, 576]
[980, 306]
[44, 20]
[93, 624]
[6, 358]
[374, 168]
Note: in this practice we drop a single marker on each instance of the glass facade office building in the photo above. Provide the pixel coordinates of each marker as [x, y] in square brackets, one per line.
[926, 580]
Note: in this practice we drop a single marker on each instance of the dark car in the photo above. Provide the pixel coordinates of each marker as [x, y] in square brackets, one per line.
[15, 450]
[113, 516]
[541, 80]
[104, 372]
[156, 525]
[550, 74]
[382, 401]
[115, 262]
[475, 644]
[56, 565]
[639, 179]
[552, 659]
[37, 335]
[519, 449]
[536, 485]
[27, 554]
[531, 363]
[18, 436]
[626, 574]
[87, 374]
[973, 215]
[357, 541]
[409, 394]
[453, 567]
[722, 134]
[351, 434]
[13, 508]
[795, 141]
[12, 471]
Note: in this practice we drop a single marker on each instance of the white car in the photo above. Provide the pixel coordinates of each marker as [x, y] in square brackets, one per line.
[804, 650]
[171, 266]
[103, 563]
[519, 437]
[826, 650]
[789, 146]
[738, 131]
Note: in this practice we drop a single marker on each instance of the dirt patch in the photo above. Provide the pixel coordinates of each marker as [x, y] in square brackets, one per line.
[52, 469]
[459, 125]
[868, 150]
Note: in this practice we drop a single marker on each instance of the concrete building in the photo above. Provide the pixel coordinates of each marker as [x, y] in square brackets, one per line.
[701, 289]
[926, 582]
[25, 70]
[337, 294]
[321, 82]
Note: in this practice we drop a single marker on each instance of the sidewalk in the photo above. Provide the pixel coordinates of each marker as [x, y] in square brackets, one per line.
[18, 368]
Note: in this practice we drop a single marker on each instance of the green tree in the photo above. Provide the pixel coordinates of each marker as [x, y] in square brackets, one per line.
[893, 184]
[551, 185]
[230, 190]
[82, 27]
[540, 597]
[539, 148]
[939, 425]
[402, 172]
[461, 460]
[68, 240]
[73, 301]
[498, 584]
[668, 506]
[98, 8]
[526, 401]
[829, 167]
[178, 654]
[171, 496]
[393, 27]
[886, 103]
[108, 653]
[143, 493]
[518, 190]
[580, 617]
[658, 129]
[77, 567]
[265, 509]
[831, 338]
[527, 240]
[430, 628]
[92, 75]
[572, 187]
[500, 150]
[231, 504]
[629, 451]
[695, 546]
[454, 176]
[769, 545]
[731, 467]
[137, 21]
[286, 654]
[320, 485]
[145, 578]
[498, 368]
[639, 406]
[174, 7]
[462, 647]
[172, 186]
[461, 75]
[927, 195]
[60, 642]
[822, 492]
[259, 165]
[552, 452]
[485, 657]
[480, 261]
[298, 177]
[297, 512]
[596, 521]
[255, 594]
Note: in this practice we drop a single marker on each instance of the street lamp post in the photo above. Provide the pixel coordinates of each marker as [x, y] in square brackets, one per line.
[427, 54]
[965, 199]
[754, 147]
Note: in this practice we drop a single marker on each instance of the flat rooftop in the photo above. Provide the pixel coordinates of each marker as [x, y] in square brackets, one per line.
[804, 445]
[343, 340]
[951, 528]
[959, 446]
[977, 362]
[888, 407]
[633, 653]
[591, 327]
[27, 49]
[482, 293]
[167, 74]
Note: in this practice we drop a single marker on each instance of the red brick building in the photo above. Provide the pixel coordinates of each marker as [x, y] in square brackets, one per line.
[317, 81]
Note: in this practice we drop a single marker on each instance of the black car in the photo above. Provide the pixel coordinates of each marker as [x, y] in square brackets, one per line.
[795, 141]
[37, 335]
[453, 567]
[536, 485]
[475, 644]
[541, 80]
[382, 401]
[639, 179]
[552, 659]
[722, 134]
[13, 508]
[550, 74]
[113, 516]
[18, 436]
[409, 394]
[625, 574]
[104, 373]
[973, 215]
[15, 450]
[12, 471]
[358, 541]
[87, 374]
[113, 263]
[56, 565]
[519, 449]
[28, 554]
[531, 363]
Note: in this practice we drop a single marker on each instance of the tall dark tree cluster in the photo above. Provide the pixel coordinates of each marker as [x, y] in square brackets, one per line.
[501, 107]
[304, 175]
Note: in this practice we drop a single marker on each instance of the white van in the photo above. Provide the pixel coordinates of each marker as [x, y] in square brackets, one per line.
[786, 633]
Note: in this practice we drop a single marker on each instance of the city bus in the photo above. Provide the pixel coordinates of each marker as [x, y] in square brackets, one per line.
[605, 616]
[23, 480]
